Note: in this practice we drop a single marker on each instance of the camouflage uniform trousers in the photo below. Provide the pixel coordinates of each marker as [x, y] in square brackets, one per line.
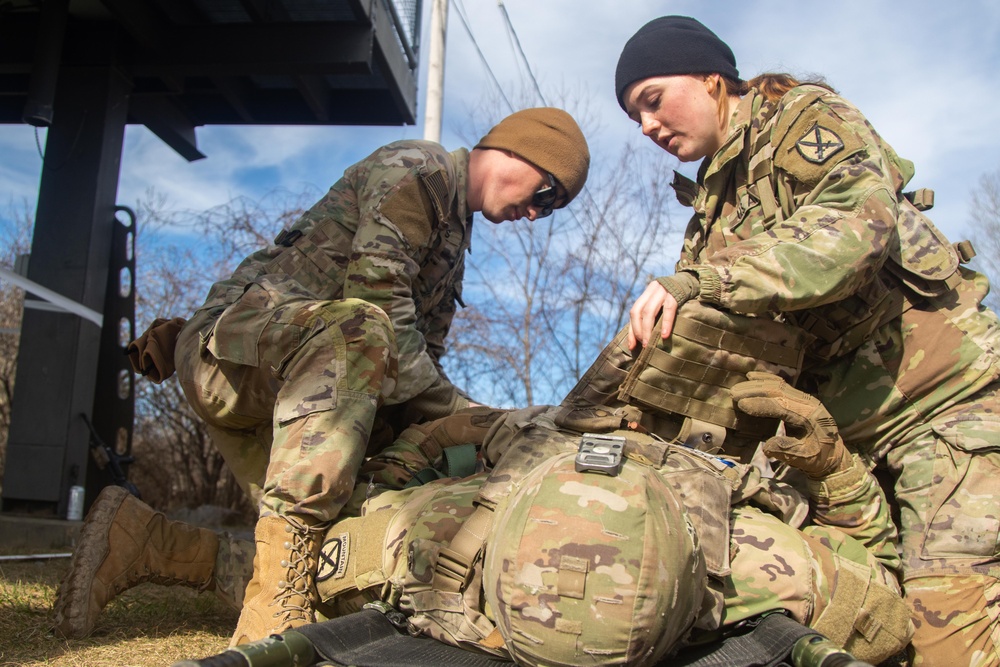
[294, 426]
[947, 473]
[822, 576]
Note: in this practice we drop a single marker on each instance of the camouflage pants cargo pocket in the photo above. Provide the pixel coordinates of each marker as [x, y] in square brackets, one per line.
[236, 335]
[963, 520]
[451, 617]
[329, 387]
[343, 347]
[946, 491]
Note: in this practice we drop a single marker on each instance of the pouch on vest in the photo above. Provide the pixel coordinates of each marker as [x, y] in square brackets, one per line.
[708, 351]
[923, 259]
[866, 617]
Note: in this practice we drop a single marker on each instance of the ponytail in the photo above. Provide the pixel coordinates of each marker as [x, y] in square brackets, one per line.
[773, 85]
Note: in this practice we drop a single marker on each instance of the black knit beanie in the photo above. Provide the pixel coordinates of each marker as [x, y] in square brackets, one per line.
[672, 45]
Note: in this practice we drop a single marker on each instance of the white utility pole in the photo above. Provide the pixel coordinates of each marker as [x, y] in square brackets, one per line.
[435, 70]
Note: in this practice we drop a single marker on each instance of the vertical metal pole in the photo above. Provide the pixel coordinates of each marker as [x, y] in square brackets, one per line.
[435, 70]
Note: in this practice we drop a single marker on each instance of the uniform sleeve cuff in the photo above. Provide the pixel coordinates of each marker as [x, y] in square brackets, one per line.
[842, 486]
[711, 284]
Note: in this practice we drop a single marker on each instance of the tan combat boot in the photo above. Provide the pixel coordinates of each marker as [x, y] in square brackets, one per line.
[282, 594]
[123, 543]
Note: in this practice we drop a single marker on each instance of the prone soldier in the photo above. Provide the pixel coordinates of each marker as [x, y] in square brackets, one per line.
[553, 581]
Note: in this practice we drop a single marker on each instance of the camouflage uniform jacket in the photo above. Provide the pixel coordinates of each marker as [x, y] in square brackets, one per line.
[392, 231]
[801, 213]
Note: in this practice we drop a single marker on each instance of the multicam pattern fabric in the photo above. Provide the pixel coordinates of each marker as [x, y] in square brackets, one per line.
[317, 388]
[233, 568]
[586, 568]
[904, 346]
[290, 358]
[346, 246]
[760, 575]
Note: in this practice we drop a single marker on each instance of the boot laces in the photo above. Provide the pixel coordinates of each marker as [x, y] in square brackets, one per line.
[298, 596]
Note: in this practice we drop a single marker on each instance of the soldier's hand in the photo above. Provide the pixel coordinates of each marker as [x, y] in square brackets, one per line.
[664, 295]
[466, 426]
[811, 442]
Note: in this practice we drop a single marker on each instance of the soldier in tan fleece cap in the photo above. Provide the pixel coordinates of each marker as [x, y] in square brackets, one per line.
[320, 340]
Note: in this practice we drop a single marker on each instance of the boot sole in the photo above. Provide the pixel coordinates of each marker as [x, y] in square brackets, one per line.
[75, 590]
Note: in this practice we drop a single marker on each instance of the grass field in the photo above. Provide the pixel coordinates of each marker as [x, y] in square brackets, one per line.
[148, 625]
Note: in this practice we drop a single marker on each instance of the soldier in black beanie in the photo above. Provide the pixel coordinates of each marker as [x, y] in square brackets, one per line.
[799, 214]
[672, 45]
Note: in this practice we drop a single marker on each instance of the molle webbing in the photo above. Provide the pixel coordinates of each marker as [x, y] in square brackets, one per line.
[708, 352]
[843, 326]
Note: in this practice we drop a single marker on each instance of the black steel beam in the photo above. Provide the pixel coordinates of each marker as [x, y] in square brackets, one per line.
[313, 88]
[47, 450]
[260, 49]
[138, 20]
[392, 62]
[166, 121]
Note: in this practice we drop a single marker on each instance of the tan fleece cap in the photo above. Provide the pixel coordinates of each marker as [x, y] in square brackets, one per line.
[548, 138]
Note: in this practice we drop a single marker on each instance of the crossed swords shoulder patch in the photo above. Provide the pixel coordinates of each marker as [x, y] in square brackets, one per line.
[819, 144]
[333, 558]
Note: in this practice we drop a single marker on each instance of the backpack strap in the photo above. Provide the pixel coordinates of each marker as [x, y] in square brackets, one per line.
[454, 563]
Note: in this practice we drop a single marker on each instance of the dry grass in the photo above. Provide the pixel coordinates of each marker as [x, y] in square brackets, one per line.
[148, 625]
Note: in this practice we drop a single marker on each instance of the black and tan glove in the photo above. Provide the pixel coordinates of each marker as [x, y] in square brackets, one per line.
[423, 446]
[152, 353]
[811, 442]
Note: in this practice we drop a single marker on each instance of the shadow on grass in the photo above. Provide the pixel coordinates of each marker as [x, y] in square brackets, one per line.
[148, 625]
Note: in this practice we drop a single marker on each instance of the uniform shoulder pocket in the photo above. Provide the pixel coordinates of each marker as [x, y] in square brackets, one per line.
[411, 211]
[815, 143]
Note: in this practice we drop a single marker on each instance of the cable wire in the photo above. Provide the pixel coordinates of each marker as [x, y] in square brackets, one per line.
[524, 58]
[482, 57]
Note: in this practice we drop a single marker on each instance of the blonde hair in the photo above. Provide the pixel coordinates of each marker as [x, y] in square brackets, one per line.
[772, 85]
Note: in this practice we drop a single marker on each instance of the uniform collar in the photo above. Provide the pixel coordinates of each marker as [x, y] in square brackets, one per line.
[461, 158]
[739, 126]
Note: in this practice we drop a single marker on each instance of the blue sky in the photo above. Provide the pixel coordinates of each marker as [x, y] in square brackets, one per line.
[927, 75]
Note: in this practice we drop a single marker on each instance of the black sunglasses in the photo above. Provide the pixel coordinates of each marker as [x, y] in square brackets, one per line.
[546, 198]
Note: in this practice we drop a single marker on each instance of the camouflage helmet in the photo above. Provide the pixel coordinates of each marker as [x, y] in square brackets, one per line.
[587, 568]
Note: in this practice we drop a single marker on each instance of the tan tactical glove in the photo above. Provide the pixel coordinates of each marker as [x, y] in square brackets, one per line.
[811, 442]
[683, 286]
[422, 446]
[152, 353]
[439, 400]
[469, 425]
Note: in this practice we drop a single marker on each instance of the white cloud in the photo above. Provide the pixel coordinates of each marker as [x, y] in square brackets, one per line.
[925, 73]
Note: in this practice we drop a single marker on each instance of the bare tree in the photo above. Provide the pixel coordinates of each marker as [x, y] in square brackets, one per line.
[545, 297]
[15, 240]
[986, 229]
